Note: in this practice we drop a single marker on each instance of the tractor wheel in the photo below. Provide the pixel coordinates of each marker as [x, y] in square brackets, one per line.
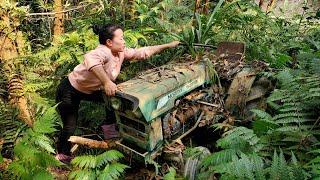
[191, 166]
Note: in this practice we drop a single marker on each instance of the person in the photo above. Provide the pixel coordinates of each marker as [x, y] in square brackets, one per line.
[97, 73]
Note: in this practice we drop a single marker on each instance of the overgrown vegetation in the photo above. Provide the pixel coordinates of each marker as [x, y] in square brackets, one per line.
[281, 143]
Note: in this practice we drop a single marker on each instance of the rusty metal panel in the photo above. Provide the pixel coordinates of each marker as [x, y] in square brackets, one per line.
[239, 90]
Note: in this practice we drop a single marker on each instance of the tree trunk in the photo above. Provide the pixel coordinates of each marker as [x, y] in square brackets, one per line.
[197, 6]
[271, 5]
[261, 3]
[206, 7]
[58, 27]
[11, 47]
[130, 9]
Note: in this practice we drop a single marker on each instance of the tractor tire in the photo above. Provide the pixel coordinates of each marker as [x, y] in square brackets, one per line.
[191, 166]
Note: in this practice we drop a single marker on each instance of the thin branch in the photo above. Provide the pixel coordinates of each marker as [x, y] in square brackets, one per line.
[53, 13]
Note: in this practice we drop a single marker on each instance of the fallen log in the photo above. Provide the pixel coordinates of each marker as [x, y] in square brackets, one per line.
[90, 142]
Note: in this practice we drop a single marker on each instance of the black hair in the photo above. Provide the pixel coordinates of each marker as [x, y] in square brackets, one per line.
[105, 31]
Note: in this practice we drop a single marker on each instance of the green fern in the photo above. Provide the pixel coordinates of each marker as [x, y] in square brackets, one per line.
[112, 171]
[241, 138]
[85, 162]
[253, 166]
[103, 166]
[82, 174]
[281, 169]
[109, 156]
[33, 152]
[244, 167]
[48, 121]
[220, 157]
[237, 144]
[133, 37]
[314, 166]
[295, 104]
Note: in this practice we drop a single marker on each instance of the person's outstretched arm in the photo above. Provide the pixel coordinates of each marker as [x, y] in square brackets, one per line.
[146, 52]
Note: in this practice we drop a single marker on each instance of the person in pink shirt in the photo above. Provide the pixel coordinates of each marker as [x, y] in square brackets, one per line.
[94, 76]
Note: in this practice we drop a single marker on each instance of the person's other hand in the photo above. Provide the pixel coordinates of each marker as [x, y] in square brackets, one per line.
[110, 88]
[174, 44]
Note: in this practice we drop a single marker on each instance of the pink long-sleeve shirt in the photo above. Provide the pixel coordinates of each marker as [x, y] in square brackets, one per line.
[83, 79]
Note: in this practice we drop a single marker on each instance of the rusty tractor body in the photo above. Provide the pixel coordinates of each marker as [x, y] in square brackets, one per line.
[161, 106]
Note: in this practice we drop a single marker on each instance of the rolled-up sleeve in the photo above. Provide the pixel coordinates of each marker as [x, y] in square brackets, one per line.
[138, 53]
[92, 59]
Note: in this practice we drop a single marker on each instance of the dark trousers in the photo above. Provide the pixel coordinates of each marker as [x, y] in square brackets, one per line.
[69, 99]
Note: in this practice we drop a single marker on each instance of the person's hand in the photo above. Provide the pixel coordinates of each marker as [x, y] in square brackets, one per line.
[110, 88]
[174, 44]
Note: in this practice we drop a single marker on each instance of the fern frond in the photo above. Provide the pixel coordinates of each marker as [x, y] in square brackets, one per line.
[291, 107]
[42, 174]
[82, 174]
[46, 123]
[262, 114]
[277, 95]
[309, 61]
[108, 156]
[85, 162]
[289, 120]
[32, 152]
[314, 166]
[258, 166]
[218, 158]
[288, 129]
[103, 166]
[43, 142]
[24, 152]
[112, 171]
[262, 126]
[240, 136]
[17, 169]
[285, 78]
[278, 168]
[47, 160]
[242, 167]
[292, 139]
[133, 37]
[291, 114]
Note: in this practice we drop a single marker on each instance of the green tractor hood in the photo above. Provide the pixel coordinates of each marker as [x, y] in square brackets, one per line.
[154, 92]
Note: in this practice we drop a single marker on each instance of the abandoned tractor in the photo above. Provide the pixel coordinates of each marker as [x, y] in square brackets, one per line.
[159, 108]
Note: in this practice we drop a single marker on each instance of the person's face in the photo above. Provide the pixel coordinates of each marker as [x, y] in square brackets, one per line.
[117, 44]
